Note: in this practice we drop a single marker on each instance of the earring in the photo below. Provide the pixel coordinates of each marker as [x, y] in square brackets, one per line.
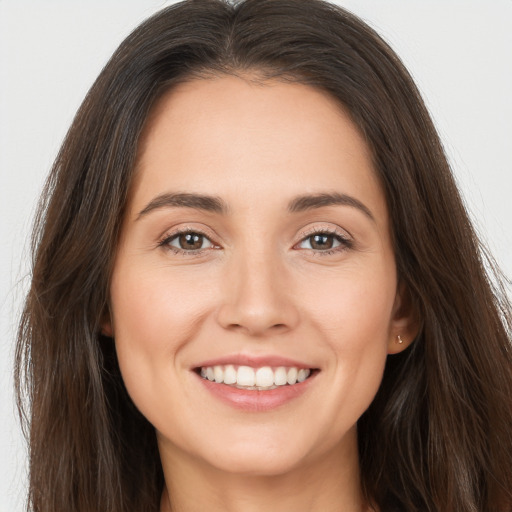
[400, 340]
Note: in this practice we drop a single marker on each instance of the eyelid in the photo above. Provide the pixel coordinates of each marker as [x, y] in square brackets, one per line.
[163, 241]
[331, 230]
[345, 239]
[170, 241]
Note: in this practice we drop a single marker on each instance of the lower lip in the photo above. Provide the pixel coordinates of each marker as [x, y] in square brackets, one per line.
[257, 400]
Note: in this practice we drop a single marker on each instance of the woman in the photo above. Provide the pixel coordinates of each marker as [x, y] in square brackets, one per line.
[255, 285]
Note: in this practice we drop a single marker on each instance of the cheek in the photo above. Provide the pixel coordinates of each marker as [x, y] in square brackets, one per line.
[354, 317]
[354, 306]
[152, 307]
[154, 316]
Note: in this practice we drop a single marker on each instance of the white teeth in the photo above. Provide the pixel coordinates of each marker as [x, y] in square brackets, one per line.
[302, 375]
[247, 377]
[229, 374]
[280, 376]
[291, 377]
[264, 377]
[218, 374]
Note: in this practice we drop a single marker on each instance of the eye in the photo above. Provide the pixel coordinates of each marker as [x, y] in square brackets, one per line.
[324, 241]
[188, 241]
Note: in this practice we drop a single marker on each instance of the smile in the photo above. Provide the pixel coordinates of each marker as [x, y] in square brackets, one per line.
[256, 383]
[249, 378]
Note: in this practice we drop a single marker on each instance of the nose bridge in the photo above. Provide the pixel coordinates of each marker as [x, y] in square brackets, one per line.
[255, 297]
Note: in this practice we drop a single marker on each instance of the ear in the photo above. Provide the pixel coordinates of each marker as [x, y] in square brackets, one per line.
[107, 327]
[405, 321]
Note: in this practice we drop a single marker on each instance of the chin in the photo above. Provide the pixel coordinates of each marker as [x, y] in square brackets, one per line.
[258, 463]
[261, 454]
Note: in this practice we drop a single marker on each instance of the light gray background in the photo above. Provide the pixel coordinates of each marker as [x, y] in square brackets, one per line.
[459, 51]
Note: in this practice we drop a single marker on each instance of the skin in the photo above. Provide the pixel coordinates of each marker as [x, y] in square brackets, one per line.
[256, 287]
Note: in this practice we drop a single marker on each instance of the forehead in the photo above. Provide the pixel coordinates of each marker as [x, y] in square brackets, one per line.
[237, 138]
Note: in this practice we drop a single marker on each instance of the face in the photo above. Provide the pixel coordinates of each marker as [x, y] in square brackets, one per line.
[254, 294]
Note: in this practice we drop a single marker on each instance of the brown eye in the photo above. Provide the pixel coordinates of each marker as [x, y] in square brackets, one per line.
[190, 241]
[324, 242]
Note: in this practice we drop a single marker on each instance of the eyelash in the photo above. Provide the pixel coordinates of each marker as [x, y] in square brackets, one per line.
[344, 241]
[165, 242]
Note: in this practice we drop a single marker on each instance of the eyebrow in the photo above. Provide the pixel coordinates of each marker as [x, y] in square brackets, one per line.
[215, 204]
[309, 202]
[186, 200]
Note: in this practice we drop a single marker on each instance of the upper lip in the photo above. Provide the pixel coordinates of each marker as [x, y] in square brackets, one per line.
[255, 361]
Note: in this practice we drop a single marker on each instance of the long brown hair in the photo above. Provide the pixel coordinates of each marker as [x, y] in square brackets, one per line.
[437, 437]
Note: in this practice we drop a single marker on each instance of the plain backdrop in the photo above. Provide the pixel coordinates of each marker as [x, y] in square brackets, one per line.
[459, 52]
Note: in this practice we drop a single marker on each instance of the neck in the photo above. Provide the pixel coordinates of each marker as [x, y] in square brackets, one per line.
[328, 483]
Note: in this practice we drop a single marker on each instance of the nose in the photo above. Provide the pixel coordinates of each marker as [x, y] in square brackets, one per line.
[257, 296]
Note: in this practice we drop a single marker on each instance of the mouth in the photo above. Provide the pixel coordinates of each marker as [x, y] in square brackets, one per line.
[256, 382]
[263, 378]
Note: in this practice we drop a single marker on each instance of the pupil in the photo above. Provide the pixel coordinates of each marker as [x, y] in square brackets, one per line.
[322, 242]
[191, 241]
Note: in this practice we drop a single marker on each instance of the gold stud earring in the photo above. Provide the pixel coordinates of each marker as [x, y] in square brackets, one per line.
[400, 340]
